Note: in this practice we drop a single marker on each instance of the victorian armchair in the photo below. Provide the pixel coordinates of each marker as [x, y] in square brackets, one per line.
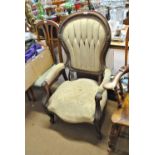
[85, 37]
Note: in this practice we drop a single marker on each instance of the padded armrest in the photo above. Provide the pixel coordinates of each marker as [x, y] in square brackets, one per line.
[106, 79]
[98, 96]
[55, 72]
[50, 75]
[112, 85]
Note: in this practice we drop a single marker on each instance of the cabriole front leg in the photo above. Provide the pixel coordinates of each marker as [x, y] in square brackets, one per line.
[98, 114]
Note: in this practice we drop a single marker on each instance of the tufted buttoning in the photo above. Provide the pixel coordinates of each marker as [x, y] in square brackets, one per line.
[85, 38]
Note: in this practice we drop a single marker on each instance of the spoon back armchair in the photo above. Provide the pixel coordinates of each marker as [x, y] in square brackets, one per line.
[85, 37]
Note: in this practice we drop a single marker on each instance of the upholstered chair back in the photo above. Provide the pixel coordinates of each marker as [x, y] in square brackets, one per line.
[85, 37]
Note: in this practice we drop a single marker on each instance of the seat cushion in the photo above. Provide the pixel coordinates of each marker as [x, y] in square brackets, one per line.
[74, 101]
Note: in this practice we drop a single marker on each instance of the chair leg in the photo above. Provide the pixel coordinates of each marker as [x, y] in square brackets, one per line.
[98, 130]
[114, 134]
[30, 95]
[98, 123]
[52, 118]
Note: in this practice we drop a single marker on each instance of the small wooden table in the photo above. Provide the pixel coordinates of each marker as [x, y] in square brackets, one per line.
[120, 118]
[35, 68]
[119, 44]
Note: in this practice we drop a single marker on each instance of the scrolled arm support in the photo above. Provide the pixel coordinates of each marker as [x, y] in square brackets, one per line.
[98, 98]
[47, 91]
[116, 85]
[51, 78]
[112, 85]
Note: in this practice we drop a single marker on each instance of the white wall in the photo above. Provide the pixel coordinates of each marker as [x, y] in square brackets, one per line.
[115, 59]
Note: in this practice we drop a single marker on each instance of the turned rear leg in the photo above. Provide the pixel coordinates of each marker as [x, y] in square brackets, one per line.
[98, 130]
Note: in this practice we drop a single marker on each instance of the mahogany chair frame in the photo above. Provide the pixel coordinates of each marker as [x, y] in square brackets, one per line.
[99, 115]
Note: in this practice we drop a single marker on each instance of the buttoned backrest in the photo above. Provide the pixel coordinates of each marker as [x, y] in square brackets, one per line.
[85, 37]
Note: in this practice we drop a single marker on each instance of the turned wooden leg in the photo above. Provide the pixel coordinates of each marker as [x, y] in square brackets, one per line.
[30, 95]
[115, 131]
[52, 118]
[99, 134]
[98, 130]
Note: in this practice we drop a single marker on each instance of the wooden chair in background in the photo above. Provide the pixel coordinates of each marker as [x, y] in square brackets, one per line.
[44, 65]
[48, 30]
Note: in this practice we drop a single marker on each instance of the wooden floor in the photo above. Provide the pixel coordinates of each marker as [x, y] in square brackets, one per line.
[43, 138]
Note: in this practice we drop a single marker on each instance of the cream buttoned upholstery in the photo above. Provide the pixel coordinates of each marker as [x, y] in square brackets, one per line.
[74, 101]
[85, 38]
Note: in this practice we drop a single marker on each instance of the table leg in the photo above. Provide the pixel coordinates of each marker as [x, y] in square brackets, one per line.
[114, 134]
[30, 95]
